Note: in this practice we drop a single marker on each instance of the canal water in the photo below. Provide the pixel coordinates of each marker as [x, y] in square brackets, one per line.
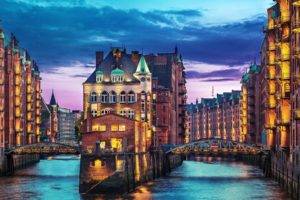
[57, 178]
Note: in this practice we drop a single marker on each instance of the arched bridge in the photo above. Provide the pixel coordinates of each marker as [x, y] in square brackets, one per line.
[46, 148]
[215, 147]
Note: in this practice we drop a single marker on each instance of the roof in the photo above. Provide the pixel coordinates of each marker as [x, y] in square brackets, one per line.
[142, 67]
[53, 100]
[117, 71]
[120, 64]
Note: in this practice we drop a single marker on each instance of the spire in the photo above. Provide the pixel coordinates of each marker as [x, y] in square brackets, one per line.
[176, 49]
[142, 67]
[53, 100]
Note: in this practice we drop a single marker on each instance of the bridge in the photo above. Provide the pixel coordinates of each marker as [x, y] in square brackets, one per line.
[45, 148]
[214, 146]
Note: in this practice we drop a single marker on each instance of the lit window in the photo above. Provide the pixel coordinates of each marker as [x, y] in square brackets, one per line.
[122, 112]
[131, 114]
[102, 127]
[102, 145]
[116, 144]
[122, 127]
[94, 113]
[114, 127]
[95, 128]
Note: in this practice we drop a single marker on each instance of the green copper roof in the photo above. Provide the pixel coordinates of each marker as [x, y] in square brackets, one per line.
[142, 67]
[117, 71]
[245, 78]
[99, 72]
[1, 35]
[254, 68]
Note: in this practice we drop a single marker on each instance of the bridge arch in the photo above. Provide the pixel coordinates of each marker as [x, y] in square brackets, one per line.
[45, 148]
[215, 146]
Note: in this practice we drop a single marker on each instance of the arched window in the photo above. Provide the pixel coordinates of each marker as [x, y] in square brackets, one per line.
[131, 97]
[94, 113]
[130, 114]
[104, 97]
[106, 111]
[123, 112]
[123, 97]
[93, 97]
[113, 97]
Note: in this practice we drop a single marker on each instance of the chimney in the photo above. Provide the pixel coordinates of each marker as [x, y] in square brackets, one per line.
[99, 57]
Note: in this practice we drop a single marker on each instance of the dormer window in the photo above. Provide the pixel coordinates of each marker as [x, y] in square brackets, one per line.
[117, 75]
[99, 76]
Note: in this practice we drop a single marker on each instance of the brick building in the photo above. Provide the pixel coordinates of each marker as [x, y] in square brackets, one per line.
[117, 100]
[20, 96]
[169, 89]
[216, 117]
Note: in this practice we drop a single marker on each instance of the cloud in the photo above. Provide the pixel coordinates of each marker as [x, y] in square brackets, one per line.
[66, 81]
[63, 37]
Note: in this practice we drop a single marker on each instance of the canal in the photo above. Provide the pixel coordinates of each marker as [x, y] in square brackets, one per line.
[57, 178]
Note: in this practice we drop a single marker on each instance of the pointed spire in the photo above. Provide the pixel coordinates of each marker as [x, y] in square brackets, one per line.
[142, 67]
[53, 100]
[176, 49]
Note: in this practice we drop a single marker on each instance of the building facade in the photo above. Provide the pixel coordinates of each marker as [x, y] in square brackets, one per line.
[144, 93]
[216, 117]
[58, 124]
[20, 99]
[117, 99]
[169, 90]
[20, 96]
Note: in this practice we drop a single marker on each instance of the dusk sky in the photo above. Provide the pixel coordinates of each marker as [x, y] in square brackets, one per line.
[217, 38]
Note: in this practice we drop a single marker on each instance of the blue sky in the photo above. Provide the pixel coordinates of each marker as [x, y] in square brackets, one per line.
[217, 38]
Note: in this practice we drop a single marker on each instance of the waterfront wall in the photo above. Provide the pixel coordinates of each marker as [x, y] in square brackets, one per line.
[121, 173]
[10, 163]
[277, 167]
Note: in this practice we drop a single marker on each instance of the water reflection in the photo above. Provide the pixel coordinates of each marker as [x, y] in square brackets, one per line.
[57, 178]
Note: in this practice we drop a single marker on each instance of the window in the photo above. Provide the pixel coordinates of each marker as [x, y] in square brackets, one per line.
[102, 127]
[99, 78]
[122, 127]
[131, 114]
[123, 112]
[117, 78]
[114, 127]
[93, 97]
[104, 97]
[123, 97]
[113, 97]
[94, 113]
[131, 97]
[106, 111]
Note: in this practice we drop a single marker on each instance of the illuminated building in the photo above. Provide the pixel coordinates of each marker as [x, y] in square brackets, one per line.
[20, 96]
[279, 45]
[216, 117]
[117, 104]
